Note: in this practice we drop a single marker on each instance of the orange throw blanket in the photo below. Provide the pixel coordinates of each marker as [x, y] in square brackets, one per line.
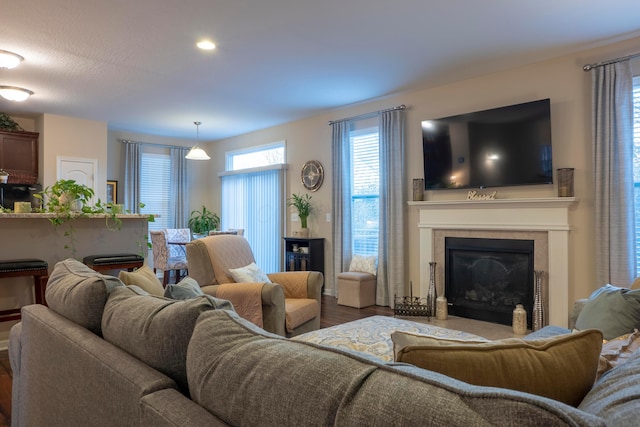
[246, 299]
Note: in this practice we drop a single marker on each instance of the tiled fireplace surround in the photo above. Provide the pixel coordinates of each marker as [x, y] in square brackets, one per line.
[543, 220]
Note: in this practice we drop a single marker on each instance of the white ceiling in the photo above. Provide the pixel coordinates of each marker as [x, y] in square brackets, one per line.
[134, 64]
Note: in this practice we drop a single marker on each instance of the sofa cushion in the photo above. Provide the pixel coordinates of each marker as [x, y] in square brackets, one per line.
[143, 277]
[79, 293]
[533, 366]
[156, 330]
[615, 397]
[246, 376]
[187, 288]
[615, 311]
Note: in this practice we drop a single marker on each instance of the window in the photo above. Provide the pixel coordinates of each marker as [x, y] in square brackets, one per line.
[636, 162]
[265, 155]
[365, 191]
[253, 199]
[154, 188]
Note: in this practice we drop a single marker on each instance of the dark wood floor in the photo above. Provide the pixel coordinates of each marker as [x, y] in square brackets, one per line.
[332, 314]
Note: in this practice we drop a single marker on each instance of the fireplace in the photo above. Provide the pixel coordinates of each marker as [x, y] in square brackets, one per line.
[485, 278]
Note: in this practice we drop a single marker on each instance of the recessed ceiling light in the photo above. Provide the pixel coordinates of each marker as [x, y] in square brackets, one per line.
[206, 45]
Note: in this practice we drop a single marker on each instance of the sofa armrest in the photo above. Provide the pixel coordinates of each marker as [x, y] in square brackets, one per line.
[171, 408]
[577, 308]
[300, 284]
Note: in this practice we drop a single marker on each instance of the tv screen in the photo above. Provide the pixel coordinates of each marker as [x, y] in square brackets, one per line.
[493, 148]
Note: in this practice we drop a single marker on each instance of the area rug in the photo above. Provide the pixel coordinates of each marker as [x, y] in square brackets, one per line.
[372, 335]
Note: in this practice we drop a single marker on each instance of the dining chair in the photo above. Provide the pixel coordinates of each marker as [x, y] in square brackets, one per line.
[165, 257]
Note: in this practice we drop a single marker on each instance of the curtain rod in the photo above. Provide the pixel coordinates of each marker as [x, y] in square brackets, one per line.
[589, 67]
[128, 141]
[367, 115]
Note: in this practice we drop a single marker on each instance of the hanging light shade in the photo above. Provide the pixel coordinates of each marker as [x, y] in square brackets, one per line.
[13, 93]
[197, 153]
[9, 59]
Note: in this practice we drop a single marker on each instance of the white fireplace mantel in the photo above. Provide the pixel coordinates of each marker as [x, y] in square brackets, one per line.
[550, 215]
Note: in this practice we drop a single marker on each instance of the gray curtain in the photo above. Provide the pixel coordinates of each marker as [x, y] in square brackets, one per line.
[179, 194]
[132, 162]
[341, 181]
[612, 121]
[391, 259]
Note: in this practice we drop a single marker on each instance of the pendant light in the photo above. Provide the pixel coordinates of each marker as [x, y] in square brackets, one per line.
[197, 153]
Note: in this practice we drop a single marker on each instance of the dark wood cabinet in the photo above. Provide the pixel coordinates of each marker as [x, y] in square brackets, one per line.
[304, 254]
[19, 156]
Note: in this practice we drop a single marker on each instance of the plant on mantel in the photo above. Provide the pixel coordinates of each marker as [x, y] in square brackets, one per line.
[68, 200]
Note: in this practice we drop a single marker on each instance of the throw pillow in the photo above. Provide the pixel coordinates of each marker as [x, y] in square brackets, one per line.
[562, 367]
[249, 274]
[187, 288]
[144, 278]
[363, 264]
[636, 283]
[154, 329]
[615, 311]
[617, 351]
[79, 293]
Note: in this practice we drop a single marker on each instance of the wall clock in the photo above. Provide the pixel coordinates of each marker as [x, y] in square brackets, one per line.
[312, 175]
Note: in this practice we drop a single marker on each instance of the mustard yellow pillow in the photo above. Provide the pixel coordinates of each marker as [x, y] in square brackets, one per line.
[144, 278]
[562, 367]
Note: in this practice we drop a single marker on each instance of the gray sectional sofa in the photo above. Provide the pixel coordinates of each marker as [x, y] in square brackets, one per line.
[103, 355]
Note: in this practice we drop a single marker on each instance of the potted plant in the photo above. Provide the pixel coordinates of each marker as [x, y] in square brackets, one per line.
[66, 195]
[7, 123]
[302, 204]
[203, 221]
[4, 176]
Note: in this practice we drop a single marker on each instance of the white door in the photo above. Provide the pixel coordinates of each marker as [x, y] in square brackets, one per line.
[82, 171]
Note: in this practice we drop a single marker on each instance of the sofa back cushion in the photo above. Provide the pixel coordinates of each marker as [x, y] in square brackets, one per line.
[79, 293]
[154, 329]
[278, 382]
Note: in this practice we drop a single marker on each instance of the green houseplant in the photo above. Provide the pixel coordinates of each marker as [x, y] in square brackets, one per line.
[302, 204]
[202, 221]
[66, 196]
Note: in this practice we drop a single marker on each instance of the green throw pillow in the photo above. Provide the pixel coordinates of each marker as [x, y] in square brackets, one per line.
[187, 288]
[562, 367]
[615, 311]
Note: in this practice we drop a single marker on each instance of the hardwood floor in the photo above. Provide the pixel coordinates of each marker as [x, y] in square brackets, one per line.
[332, 314]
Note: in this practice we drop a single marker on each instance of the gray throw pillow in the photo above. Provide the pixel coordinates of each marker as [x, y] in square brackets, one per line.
[615, 311]
[154, 329]
[79, 293]
[187, 288]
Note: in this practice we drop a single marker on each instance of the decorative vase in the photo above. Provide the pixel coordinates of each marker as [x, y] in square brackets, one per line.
[538, 305]
[431, 292]
[304, 233]
[442, 311]
[519, 320]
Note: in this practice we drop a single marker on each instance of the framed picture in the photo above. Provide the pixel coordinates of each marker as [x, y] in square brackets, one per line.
[112, 191]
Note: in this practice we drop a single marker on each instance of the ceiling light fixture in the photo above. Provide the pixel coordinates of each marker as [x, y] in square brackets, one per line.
[197, 153]
[13, 93]
[206, 45]
[9, 59]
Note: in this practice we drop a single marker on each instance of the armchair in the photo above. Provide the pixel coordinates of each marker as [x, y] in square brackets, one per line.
[290, 305]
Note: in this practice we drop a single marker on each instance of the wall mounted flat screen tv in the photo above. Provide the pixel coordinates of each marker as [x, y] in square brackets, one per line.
[493, 148]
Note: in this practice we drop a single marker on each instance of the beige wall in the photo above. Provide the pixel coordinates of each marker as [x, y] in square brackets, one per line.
[562, 80]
